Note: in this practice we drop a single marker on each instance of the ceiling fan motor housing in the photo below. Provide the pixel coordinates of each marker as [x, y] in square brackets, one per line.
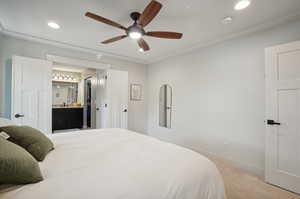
[135, 16]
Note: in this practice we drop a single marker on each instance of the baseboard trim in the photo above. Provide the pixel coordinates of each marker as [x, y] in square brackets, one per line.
[259, 172]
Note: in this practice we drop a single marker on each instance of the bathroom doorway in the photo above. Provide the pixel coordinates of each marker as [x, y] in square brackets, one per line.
[73, 98]
[88, 102]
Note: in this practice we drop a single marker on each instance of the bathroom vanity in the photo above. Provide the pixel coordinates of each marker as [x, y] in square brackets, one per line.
[69, 117]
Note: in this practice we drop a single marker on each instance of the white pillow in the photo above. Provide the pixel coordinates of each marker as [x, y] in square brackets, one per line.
[6, 122]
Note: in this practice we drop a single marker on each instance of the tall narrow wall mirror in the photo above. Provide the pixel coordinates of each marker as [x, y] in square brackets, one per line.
[165, 106]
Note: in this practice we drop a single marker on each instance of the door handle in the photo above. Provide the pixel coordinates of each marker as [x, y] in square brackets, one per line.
[272, 122]
[18, 115]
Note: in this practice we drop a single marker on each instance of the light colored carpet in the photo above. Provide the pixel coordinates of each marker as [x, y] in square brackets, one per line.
[242, 185]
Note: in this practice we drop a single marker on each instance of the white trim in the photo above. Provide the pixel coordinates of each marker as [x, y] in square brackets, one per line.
[77, 62]
[257, 171]
[283, 47]
[12, 93]
[69, 46]
[201, 45]
[178, 52]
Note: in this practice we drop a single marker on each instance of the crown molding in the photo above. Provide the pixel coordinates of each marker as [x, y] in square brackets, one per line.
[68, 45]
[70, 61]
[175, 53]
[201, 45]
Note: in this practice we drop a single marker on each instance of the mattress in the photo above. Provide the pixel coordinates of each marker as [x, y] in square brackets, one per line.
[120, 164]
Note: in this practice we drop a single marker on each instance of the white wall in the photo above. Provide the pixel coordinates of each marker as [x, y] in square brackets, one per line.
[1, 74]
[218, 97]
[11, 46]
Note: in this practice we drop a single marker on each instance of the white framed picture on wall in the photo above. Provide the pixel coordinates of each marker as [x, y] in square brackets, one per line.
[135, 92]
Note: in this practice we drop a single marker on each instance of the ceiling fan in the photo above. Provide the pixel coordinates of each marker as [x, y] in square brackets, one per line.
[136, 30]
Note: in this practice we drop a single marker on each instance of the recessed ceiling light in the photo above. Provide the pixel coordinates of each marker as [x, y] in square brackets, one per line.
[53, 25]
[99, 56]
[227, 20]
[242, 4]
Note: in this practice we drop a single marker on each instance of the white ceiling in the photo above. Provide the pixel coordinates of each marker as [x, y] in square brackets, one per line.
[198, 20]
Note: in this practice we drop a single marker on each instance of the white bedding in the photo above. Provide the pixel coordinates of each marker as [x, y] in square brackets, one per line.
[120, 164]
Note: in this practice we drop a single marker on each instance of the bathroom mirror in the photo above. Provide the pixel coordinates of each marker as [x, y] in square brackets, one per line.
[64, 93]
[165, 106]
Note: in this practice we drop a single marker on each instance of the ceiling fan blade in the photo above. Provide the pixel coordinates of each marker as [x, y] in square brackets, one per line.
[149, 13]
[165, 35]
[104, 20]
[114, 39]
[143, 44]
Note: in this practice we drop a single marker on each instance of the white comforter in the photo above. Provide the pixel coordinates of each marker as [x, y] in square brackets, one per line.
[120, 164]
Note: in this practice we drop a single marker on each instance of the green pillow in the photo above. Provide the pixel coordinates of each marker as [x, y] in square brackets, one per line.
[17, 166]
[35, 142]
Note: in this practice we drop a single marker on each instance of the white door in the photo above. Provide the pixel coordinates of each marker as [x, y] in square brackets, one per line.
[165, 106]
[94, 85]
[117, 98]
[283, 115]
[168, 106]
[32, 93]
[101, 101]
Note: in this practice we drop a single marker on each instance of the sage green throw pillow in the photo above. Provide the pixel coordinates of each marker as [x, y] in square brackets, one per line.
[17, 166]
[32, 140]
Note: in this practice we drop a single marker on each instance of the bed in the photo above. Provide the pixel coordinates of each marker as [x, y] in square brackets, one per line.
[120, 164]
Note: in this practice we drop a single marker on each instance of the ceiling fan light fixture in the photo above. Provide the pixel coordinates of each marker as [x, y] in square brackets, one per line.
[135, 35]
[135, 31]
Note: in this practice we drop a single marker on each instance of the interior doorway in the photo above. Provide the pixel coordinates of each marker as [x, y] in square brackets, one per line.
[87, 102]
[74, 98]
